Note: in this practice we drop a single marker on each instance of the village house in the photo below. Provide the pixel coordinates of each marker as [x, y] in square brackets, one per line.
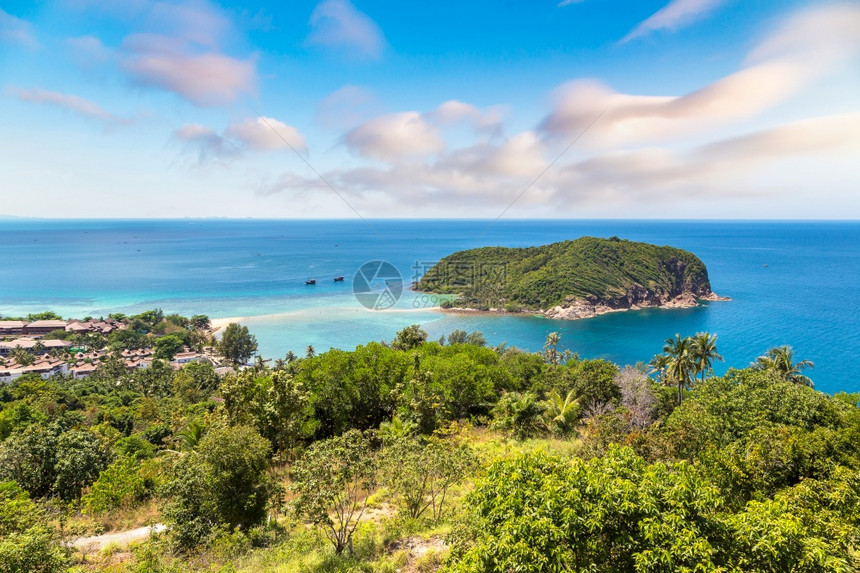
[44, 366]
[186, 357]
[11, 327]
[97, 326]
[84, 364]
[32, 345]
[41, 327]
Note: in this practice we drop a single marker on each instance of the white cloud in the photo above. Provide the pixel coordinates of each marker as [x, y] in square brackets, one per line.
[720, 169]
[519, 156]
[14, 30]
[209, 78]
[338, 24]
[78, 105]
[179, 47]
[674, 15]
[260, 134]
[393, 136]
[88, 52]
[802, 50]
[489, 121]
[815, 38]
[345, 107]
[265, 133]
[207, 144]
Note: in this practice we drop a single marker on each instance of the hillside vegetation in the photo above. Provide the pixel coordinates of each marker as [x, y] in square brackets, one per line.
[618, 272]
[416, 456]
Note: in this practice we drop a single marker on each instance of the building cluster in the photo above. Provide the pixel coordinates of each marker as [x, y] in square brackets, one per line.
[51, 357]
[84, 364]
[43, 327]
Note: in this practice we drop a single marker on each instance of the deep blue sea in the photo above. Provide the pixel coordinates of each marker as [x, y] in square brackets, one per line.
[794, 283]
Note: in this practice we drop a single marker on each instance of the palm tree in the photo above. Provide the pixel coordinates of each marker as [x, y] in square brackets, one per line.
[310, 352]
[551, 347]
[780, 361]
[704, 351]
[192, 434]
[681, 363]
[396, 429]
[659, 364]
[561, 412]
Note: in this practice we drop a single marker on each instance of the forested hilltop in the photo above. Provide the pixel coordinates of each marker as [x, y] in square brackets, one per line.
[571, 279]
[418, 455]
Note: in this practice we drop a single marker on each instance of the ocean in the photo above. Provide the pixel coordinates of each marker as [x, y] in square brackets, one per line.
[795, 283]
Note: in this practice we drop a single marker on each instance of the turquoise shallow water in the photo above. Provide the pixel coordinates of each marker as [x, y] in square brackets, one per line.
[808, 295]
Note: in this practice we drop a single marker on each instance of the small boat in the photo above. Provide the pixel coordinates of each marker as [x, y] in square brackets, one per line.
[338, 279]
[311, 282]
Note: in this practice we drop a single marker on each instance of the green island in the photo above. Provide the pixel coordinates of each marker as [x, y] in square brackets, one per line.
[571, 279]
[418, 455]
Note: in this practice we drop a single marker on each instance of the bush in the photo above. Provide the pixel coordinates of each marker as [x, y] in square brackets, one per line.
[223, 483]
[26, 543]
[80, 457]
[332, 482]
[420, 472]
[519, 415]
[119, 487]
[29, 458]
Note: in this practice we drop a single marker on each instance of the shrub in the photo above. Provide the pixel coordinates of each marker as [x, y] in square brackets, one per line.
[332, 482]
[120, 486]
[519, 415]
[224, 483]
[26, 543]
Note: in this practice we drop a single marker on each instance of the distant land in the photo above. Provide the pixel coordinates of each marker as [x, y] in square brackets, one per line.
[575, 279]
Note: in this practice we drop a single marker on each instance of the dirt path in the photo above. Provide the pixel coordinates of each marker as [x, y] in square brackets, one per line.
[121, 538]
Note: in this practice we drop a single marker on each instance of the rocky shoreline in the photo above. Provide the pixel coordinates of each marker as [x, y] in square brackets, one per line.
[578, 308]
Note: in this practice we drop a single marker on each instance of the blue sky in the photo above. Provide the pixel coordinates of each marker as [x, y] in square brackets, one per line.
[590, 108]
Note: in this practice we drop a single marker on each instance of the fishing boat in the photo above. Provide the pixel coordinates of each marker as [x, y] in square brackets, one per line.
[311, 282]
[338, 279]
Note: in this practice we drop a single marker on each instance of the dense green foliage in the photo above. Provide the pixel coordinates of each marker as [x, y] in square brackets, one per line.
[617, 513]
[237, 344]
[542, 277]
[751, 471]
[221, 483]
[27, 542]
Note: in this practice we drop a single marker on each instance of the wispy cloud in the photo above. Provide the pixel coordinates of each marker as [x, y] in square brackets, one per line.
[676, 14]
[260, 134]
[339, 24]
[488, 122]
[205, 79]
[393, 136]
[14, 30]
[644, 151]
[803, 49]
[346, 107]
[178, 47]
[88, 52]
[203, 141]
[266, 133]
[485, 177]
[185, 55]
[75, 104]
